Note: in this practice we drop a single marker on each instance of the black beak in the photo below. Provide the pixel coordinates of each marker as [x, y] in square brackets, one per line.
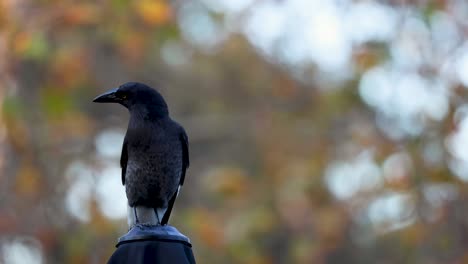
[108, 97]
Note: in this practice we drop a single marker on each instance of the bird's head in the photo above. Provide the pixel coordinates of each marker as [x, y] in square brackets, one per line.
[134, 95]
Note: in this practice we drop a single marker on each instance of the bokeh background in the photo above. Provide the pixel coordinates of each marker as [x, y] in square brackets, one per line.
[320, 131]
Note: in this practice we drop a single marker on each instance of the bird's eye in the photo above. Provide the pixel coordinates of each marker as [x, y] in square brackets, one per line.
[124, 96]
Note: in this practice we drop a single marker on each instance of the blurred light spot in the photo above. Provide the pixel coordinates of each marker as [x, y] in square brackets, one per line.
[326, 39]
[293, 52]
[436, 195]
[300, 31]
[228, 6]
[433, 153]
[265, 26]
[375, 87]
[445, 34]
[405, 98]
[109, 143]
[80, 189]
[198, 27]
[110, 193]
[412, 44]
[391, 211]
[459, 9]
[460, 114]
[459, 169]
[174, 54]
[345, 179]
[437, 95]
[22, 250]
[461, 66]
[370, 21]
[397, 167]
[457, 144]
[397, 128]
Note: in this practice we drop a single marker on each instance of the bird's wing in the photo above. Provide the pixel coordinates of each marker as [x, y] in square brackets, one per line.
[185, 156]
[185, 164]
[124, 160]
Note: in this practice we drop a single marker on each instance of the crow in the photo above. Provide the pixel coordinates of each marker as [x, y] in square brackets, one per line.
[154, 156]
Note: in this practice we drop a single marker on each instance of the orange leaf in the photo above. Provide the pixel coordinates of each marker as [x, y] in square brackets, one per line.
[28, 180]
[82, 14]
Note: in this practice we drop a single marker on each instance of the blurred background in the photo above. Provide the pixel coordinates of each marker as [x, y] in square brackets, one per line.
[320, 131]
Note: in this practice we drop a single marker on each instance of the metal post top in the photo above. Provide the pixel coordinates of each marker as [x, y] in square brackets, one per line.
[166, 233]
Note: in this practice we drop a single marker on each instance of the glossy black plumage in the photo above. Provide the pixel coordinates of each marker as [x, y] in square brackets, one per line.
[154, 155]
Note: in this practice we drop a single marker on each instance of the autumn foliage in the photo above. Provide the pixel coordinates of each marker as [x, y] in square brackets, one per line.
[289, 163]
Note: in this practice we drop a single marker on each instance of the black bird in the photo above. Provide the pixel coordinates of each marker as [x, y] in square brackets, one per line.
[154, 153]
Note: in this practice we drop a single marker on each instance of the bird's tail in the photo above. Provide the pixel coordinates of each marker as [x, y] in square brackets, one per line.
[144, 215]
[171, 202]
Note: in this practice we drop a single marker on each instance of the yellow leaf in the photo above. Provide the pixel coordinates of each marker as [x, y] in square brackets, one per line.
[154, 12]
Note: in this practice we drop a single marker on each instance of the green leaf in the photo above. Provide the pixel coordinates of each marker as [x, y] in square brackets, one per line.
[38, 47]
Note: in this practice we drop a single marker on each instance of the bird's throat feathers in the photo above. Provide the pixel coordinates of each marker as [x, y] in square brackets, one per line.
[148, 112]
